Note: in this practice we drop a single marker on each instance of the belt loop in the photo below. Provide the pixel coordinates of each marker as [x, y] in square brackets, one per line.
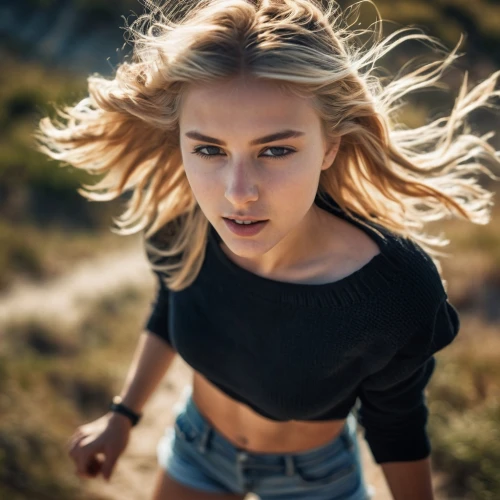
[289, 465]
[241, 457]
[347, 437]
[205, 435]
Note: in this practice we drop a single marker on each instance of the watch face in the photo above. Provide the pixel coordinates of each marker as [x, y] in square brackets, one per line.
[117, 400]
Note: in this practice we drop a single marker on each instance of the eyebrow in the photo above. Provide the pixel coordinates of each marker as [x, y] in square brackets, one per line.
[284, 134]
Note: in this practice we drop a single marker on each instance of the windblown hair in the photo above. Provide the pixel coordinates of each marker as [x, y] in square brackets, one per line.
[127, 127]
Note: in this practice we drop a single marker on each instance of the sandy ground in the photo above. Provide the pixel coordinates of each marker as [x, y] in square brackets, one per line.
[134, 472]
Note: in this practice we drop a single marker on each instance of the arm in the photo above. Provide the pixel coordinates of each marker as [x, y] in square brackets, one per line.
[393, 407]
[409, 480]
[152, 358]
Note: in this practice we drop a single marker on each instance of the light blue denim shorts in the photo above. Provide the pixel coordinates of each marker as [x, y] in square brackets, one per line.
[195, 454]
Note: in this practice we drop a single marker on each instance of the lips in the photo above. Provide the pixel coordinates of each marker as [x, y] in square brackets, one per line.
[245, 219]
[245, 229]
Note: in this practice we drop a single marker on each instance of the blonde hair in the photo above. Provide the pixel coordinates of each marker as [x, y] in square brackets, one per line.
[127, 127]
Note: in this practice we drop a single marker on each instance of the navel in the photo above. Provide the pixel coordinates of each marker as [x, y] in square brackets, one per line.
[242, 440]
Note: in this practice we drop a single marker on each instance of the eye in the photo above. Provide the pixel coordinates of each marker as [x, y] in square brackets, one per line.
[198, 152]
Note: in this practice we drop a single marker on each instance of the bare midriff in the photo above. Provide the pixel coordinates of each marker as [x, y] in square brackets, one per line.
[248, 430]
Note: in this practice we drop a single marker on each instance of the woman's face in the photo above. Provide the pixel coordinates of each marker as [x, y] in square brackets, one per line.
[270, 179]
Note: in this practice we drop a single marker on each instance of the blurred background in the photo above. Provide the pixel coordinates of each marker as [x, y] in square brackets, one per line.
[74, 295]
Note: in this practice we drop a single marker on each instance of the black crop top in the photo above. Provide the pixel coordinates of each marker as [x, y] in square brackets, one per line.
[312, 352]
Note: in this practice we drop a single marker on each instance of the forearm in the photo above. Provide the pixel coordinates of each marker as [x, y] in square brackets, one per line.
[409, 480]
[152, 358]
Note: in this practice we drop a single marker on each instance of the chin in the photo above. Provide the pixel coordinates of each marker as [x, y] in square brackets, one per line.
[246, 247]
[242, 245]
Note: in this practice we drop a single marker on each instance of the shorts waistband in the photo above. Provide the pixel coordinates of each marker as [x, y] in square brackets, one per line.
[209, 437]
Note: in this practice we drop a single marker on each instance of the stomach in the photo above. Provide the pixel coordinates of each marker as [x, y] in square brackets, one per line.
[248, 430]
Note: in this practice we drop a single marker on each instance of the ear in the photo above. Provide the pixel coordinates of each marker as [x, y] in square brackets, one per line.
[331, 153]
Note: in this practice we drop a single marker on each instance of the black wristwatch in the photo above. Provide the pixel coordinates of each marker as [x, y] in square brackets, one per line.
[118, 407]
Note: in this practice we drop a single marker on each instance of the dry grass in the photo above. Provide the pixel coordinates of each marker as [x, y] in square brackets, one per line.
[51, 381]
[464, 401]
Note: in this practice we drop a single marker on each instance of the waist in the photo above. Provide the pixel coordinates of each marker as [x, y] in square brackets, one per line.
[248, 430]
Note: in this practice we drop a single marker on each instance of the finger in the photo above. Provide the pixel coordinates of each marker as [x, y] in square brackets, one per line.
[94, 467]
[108, 466]
[77, 432]
[91, 469]
[84, 453]
[75, 438]
[75, 447]
[84, 467]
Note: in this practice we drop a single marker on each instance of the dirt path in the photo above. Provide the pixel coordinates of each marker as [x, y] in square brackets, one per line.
[134, 473]
[67, 293]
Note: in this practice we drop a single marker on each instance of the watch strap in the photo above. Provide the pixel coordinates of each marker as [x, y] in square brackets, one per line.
[118, 407]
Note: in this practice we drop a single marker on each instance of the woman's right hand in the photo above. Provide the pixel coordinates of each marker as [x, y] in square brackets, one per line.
[95, 447]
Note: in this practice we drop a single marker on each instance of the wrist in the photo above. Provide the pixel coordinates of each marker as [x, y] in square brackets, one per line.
[118, 408]
[119, 420]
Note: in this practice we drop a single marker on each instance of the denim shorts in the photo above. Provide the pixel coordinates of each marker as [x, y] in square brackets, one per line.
[195, 454]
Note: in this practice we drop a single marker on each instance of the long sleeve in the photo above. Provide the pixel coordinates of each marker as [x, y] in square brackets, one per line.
[158, 321]
[393, 409]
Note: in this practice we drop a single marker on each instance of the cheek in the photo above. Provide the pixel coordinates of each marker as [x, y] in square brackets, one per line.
[299, 180]
[206, 189]
[203, 189]
[291, 195]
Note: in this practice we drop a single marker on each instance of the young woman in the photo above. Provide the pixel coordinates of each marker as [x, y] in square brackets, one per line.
[283, 208]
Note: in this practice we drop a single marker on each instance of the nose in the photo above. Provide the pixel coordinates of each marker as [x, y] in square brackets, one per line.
[240, 187]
